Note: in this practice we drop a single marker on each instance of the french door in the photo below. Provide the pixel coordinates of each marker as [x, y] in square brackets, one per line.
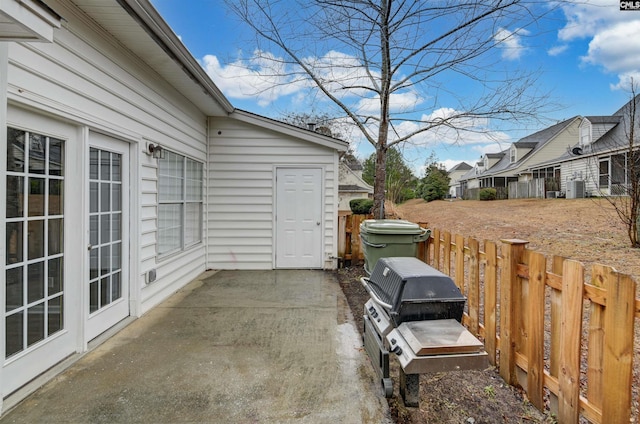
[38, 325]
[107, 280]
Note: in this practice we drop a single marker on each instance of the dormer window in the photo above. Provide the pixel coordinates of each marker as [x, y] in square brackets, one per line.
[513, 154]
[585, 133]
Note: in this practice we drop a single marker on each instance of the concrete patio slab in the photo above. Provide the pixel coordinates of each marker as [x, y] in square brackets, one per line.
[232, 346]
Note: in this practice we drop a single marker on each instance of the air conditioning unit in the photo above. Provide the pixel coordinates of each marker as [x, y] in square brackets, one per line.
[575, 189]
[553, 194]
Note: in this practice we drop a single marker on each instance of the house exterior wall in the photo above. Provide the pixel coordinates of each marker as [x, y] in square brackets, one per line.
[583, 169]
[240, 217]
[350, 177]
[87, 79]
[454, 183]
[346, 197]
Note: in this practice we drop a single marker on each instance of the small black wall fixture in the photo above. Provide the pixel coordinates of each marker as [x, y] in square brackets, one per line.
[155, 151]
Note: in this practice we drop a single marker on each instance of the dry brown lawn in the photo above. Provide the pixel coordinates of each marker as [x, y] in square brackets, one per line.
[587, 230]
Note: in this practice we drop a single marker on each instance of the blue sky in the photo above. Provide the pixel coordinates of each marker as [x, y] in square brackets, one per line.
[584, 53]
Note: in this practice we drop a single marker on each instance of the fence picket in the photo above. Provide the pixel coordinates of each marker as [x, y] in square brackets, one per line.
[571, 322]
[473, 302]
[618, 348]
[535, 329]
[459, 276]
[600, 274]
[436, 249]
[490, 299]
[509, 300]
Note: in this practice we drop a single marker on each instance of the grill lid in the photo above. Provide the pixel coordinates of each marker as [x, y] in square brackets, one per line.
[414, 291]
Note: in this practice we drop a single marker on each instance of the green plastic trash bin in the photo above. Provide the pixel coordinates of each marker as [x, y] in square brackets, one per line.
[384, 238]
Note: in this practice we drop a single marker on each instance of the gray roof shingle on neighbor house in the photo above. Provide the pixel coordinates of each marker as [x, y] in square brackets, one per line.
[462, 166]
[535, 142]
[352, 188]
[609, 135]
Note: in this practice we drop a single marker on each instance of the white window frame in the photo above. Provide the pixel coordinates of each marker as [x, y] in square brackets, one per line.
[585, 133]
[183, 195]
[513, 154]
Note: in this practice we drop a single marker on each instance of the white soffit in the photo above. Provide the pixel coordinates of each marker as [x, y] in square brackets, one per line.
[27, 20]
[138, 27]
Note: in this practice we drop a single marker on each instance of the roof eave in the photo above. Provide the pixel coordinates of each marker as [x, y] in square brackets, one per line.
[151, 21]
[290, 130]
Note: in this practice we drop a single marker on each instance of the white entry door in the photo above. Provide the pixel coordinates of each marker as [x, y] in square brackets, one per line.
[299, 220]
[107, 291]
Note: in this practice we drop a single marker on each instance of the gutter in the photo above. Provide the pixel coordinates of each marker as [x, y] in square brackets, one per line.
[158, 29]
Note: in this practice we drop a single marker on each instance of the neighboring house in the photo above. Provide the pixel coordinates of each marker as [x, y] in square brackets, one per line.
[595, 163]
[352, 186]
[455, 173]
[128, 173]
[514, 164]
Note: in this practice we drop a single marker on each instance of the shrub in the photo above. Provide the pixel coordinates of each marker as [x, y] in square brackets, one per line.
[488, 194]
[361, 206]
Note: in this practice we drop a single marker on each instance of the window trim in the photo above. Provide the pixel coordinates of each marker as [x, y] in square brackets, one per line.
[183, 202]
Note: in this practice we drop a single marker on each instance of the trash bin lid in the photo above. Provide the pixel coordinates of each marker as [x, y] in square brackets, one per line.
[390, 226]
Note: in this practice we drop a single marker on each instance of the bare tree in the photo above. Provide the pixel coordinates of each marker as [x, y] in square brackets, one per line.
[619, 183]
[366, 55]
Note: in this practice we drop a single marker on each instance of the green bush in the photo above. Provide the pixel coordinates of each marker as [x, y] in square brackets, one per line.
[488, 194]
[361, 206]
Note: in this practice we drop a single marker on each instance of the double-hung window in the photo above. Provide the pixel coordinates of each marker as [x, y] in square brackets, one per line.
[180, 203]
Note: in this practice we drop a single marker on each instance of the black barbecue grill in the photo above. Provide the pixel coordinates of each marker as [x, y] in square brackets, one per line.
[411, 290]
[415, 311]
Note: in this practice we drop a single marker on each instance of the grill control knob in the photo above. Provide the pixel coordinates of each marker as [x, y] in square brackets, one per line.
[375, 314]
[393, 341]
[397, 350]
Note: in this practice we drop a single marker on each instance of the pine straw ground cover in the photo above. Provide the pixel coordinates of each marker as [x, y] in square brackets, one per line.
[587, 230]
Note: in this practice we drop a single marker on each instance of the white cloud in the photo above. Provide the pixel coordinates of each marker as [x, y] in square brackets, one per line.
[462, 132]
[407, 101]
[616, 48]
[557, 50]
[262, 77]
[585, 19]
[612, 35]
[510, 42]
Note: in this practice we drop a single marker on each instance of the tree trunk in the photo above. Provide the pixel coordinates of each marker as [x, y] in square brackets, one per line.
[383, 131]
[379, 182]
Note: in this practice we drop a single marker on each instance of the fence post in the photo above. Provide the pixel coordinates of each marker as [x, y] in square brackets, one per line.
[509, 300]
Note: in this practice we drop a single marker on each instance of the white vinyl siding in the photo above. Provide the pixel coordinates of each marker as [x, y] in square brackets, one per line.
[88, 78]
[240, 218]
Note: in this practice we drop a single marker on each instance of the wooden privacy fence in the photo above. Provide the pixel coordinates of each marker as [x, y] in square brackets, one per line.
[544, 327]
